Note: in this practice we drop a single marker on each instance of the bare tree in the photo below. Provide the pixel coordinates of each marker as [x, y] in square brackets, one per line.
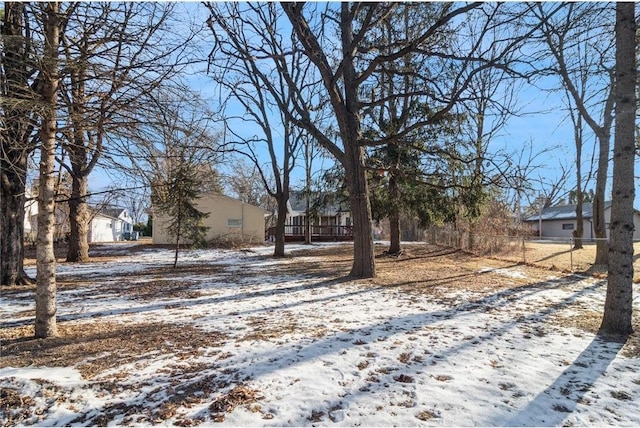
[19, 87]
[114, 54]
[234, 71]
[173, 123]
[312, 151]
[46, 307]
[487, 109]
[244, 182]
[578, 138]
[618, 309]
[579, 41]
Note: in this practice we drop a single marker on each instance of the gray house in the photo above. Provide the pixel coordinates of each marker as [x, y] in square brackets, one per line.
[560, 221]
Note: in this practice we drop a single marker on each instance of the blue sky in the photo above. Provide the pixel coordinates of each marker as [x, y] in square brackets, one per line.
[543, 124]
[544, 130]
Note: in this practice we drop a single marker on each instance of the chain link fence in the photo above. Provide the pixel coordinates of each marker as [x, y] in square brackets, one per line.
[552, 253]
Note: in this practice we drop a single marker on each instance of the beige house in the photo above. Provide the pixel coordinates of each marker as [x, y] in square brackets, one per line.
[229, 220]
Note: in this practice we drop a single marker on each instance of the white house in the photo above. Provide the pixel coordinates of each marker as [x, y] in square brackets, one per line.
[110, 224]
[560, 221]
[30, 217]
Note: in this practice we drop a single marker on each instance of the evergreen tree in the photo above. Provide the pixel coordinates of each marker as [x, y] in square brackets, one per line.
[177, 199]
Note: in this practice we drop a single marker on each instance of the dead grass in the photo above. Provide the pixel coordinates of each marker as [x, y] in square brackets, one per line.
[95, 347]
[240, 395]
[561, 257]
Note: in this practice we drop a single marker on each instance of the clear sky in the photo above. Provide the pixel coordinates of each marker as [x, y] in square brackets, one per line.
[543, 124]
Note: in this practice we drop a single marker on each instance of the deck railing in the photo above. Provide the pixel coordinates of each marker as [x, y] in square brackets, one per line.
[318, 233]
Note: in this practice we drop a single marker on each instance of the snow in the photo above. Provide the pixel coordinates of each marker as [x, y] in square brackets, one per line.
[356, 354]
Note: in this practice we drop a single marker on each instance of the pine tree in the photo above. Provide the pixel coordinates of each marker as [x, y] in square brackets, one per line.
[177, 199]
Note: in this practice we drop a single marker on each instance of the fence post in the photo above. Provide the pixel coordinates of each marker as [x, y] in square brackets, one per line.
[490, 246]
[571, 254]
[524, 252]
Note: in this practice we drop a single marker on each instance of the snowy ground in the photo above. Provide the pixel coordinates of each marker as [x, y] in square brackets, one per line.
[253, 341]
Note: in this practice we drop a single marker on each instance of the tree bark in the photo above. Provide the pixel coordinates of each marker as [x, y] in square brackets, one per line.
[282, 199]
[46, 308]
[12, 197]
[16, 144]
[78, 244]
[599, 225]
[618, 309]
[363, 255]
[363, 260]
[394, 216]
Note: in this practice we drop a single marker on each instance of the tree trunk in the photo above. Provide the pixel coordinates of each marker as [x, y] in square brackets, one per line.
[599, 226]
[177, 252]
[618, 309]
[307, 194]
[45, 325]
[12, 201]
[353, 159]
[78, 246]
[363, 255]
[178, 229]
[394, 216]
[16, 144]
[307, 226]
[579, 232]
[281, 220]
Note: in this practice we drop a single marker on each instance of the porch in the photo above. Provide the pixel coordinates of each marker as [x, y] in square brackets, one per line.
[319, 233]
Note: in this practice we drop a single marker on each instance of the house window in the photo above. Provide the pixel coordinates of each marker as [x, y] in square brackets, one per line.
[234, 222]
[567, 226]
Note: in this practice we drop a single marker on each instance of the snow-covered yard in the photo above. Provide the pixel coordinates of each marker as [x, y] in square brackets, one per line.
[235, 338]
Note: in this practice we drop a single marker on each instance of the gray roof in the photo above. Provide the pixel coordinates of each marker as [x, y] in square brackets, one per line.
[565, 212]
[111, 212]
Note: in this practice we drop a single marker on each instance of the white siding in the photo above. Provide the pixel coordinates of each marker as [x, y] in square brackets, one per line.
[101, 230]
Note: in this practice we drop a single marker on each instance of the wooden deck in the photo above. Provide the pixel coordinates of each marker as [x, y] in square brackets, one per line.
[295, 233]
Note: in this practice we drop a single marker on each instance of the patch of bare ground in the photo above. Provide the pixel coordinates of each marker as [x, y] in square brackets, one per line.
[561, 257]
[96, 347]
[588, 320]
[263, 328]
[106, 353]
[417, 268]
